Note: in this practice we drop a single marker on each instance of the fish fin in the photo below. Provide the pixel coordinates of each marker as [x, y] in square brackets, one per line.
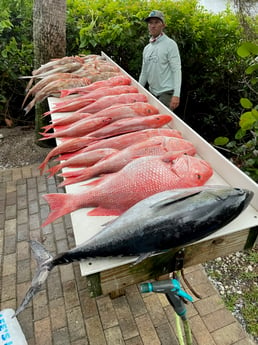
[53, 170]
[142, 257]
[60, 204]
[100, 211]
[64, 93]
[44, 266]
[94, 182]
[170, 200]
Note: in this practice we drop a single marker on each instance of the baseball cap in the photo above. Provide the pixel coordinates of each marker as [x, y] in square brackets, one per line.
[156, 14]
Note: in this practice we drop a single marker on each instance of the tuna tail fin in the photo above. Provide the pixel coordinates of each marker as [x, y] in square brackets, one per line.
[44, 266]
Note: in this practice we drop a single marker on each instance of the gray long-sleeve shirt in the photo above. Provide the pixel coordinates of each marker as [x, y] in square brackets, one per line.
[161, 66]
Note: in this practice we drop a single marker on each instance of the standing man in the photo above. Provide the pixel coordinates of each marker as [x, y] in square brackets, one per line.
[161, 64]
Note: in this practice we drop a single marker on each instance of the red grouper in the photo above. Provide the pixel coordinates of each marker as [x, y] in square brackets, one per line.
[156, 146]
[158, 223]
[115, 193]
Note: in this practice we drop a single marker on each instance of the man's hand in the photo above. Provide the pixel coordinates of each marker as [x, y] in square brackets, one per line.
[174, 103]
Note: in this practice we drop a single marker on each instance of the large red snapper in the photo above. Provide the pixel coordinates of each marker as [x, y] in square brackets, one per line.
[122, 141]
[118, 111]
[82, 101]
[113, 81]
[84, 159]
[80, 128]
[115, 193]
[107, 101]
[130, 125]
[156, 146]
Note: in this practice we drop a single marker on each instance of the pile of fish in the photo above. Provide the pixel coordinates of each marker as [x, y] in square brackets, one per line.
[65, 73]
[108, 130]
[164, 220]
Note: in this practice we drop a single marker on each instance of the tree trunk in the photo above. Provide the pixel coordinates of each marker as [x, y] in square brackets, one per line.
[49, 38]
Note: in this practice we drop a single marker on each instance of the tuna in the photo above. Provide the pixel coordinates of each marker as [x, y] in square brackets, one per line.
[163, 221]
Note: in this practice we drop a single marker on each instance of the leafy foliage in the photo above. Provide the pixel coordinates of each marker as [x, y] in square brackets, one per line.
[16, 56]
[243, 149]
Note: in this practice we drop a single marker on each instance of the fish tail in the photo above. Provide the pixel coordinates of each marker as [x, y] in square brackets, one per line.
[45, 161]
[46, 136]
[44, 266]
[64, 93]
[47, 113]
[48, 127]
[76, 176]
[29, 107]
[53, 170]
[60, 204]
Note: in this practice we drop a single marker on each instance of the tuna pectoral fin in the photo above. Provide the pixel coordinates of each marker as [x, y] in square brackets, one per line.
[44, 260]
[142, 257]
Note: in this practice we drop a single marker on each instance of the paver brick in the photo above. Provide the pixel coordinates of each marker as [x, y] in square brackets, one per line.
[125, 317]
[209, 304]
[166, 334]
[75, 323]
[67, 273]
[10, 211]
[229, 334]
[134, 341]
[9, 264]
[147, 330]
[10, 227]
[61, 337]
[88, 304]
[70, 294]
[10, 244]
[155, 309]
[43, 334]
[135, 300]
[94, 331]
[40, 305]
[54, 286]
[22, 232]
[23, 271]
[57, 313]
[218, 319]
[114, 336]
[200, 331]
[23, 250]
[106, 312]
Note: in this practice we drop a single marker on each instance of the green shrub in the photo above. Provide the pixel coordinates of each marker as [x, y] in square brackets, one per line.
[244, 149]
[16, 56]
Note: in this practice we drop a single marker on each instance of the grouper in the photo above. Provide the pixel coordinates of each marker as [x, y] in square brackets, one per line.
[158, 223]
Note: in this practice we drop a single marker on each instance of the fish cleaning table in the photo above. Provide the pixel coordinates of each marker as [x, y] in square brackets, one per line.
[112, 275]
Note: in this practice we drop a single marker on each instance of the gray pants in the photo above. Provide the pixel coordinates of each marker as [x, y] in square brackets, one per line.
[165, 97]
